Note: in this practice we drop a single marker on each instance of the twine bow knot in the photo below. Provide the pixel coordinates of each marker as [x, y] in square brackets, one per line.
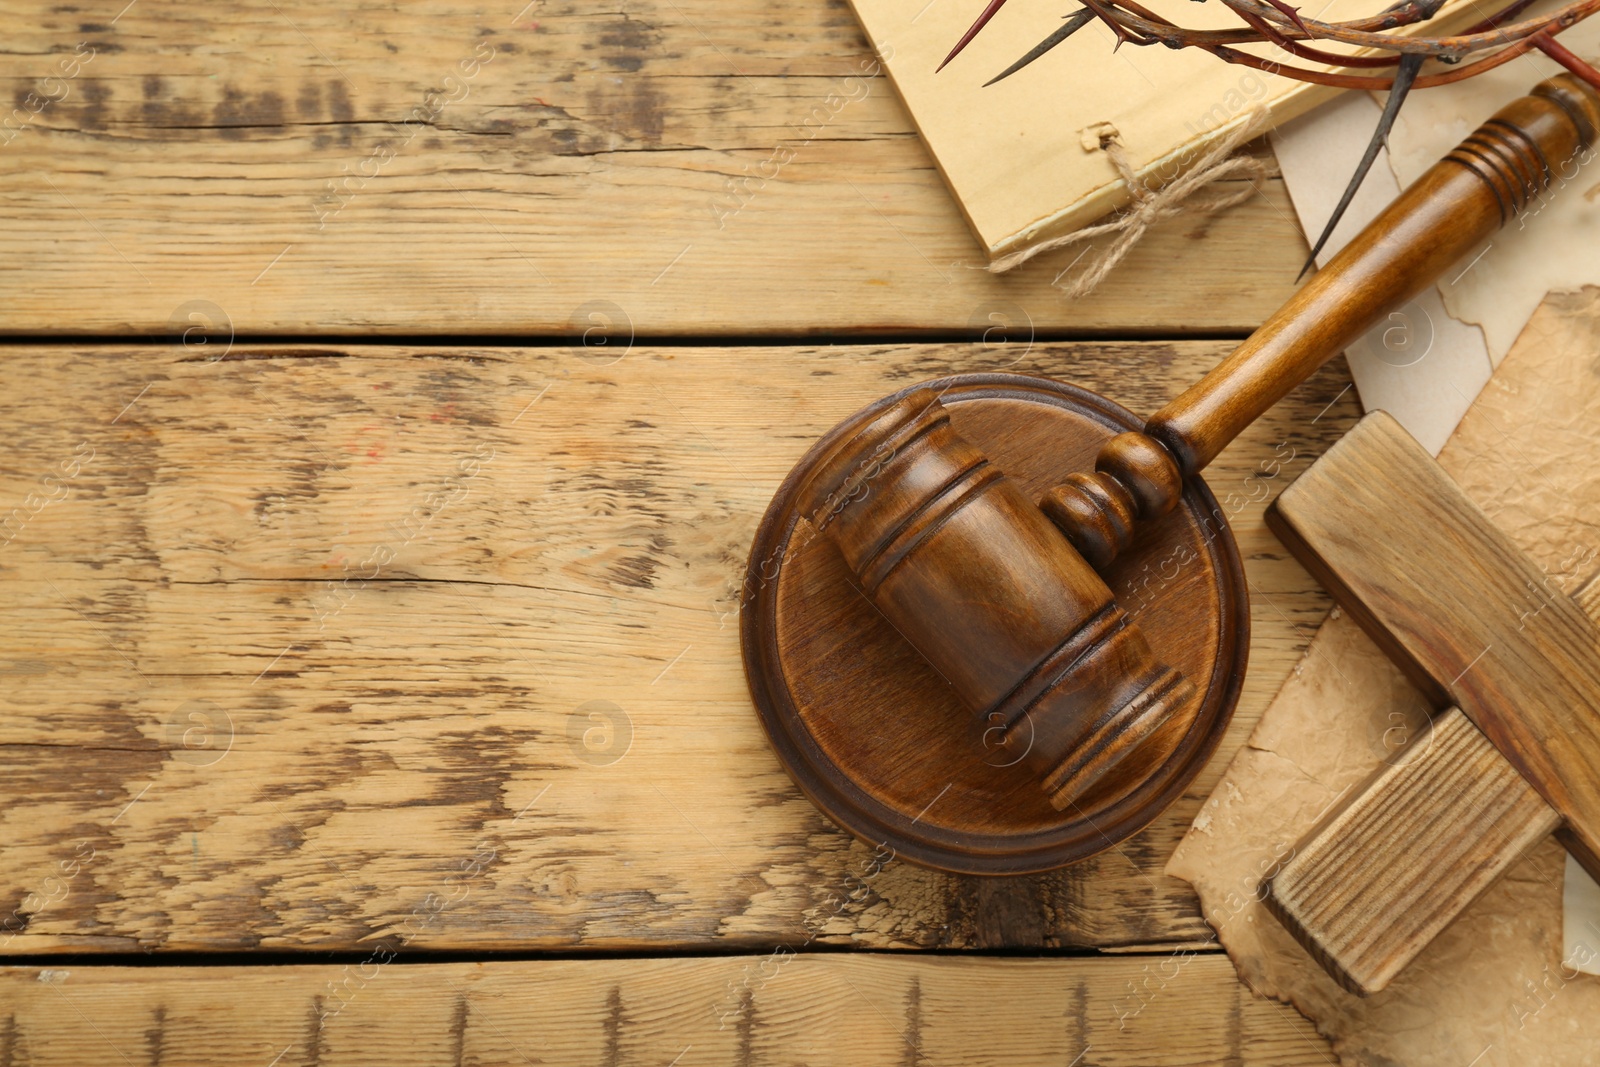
[1151, 206]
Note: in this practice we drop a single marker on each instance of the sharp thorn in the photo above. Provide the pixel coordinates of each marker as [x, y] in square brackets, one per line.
[1293, 14]
[983, 20]
[1410, 63]
[1075, 22]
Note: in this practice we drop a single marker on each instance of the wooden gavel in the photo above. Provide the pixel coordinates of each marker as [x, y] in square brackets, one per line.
[1002, 596]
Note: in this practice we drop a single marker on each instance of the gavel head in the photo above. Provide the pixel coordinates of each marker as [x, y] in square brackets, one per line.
[994, 597]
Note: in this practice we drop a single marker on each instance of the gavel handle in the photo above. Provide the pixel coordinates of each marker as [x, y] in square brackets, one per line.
[1451, 209]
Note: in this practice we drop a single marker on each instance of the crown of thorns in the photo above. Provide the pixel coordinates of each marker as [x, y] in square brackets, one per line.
[1386, 59]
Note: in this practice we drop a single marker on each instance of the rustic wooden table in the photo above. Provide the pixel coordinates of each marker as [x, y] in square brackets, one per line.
[390, 399]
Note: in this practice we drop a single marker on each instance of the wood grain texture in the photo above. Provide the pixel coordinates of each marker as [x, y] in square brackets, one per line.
[1372, 885]
[333, 171]
[957, 556]
[1404, 548]
[824, 1011]
[959, 561]
[1457, 204]
[934, 733]
[300, 641]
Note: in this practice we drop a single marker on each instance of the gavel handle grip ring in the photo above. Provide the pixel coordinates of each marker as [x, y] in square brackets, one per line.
[1460, 202]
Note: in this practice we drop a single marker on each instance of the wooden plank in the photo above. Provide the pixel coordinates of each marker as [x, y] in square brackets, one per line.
[1372, 885]
[1402, 547]
[299, 641]
[271, 170]
[849, 1011]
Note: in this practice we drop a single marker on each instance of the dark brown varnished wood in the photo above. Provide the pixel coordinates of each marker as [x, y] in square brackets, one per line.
[959, 560]
[1457, 204]
[1002, 599]
[877, 734]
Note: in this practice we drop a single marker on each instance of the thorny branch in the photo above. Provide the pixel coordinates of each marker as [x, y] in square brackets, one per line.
[1378, 47]
[1274, 23]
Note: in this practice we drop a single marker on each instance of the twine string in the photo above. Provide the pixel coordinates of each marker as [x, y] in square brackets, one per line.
[1152, 206]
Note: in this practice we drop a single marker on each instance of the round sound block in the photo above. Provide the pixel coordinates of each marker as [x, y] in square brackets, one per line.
[876, 738]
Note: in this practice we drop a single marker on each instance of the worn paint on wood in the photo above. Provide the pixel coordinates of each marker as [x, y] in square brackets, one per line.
[825, 1011]
[681, 167]
[304, 641]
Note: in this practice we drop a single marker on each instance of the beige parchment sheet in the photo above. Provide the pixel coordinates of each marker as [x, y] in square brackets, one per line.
[1427, 362]
[1554, 244]
[1493, 989]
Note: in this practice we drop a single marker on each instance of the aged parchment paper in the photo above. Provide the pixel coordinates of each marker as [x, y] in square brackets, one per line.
[1554, 244]
[1426, 364]
[1495, 988]
[1421, 365]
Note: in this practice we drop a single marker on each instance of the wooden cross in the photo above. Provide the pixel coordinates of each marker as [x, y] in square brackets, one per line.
[1489, 635]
